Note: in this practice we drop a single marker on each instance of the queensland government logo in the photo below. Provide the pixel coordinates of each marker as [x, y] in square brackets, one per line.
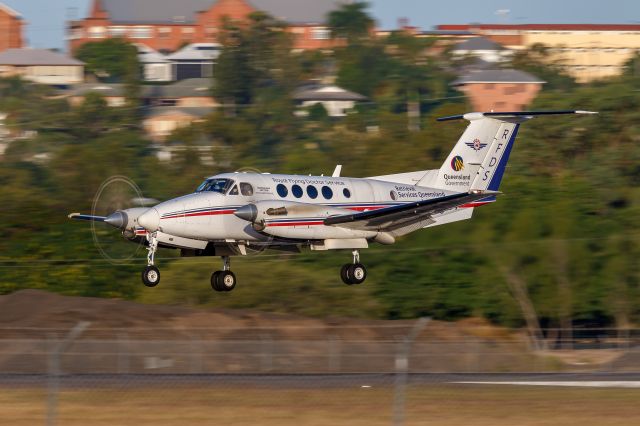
[457, 163]
[476, 144]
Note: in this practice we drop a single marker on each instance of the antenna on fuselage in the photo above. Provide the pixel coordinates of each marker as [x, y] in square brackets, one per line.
[337, 171]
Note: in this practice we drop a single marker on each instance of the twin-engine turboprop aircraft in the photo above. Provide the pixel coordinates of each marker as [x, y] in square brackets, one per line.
[232, 213]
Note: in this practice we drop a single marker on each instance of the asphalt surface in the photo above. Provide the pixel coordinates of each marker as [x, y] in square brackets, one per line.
[303, 380]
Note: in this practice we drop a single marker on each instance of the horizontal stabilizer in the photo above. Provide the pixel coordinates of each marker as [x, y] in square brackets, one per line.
[506, 114]
[79, 216]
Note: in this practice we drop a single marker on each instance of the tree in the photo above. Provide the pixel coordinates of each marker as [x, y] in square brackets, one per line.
[111, 60]
[351, 22]
[539, 61]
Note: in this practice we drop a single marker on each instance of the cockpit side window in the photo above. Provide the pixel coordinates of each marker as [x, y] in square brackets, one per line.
[215, 185]
[234, 190]
[246, 189]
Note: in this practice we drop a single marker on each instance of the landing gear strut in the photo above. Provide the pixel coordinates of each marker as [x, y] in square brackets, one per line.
[353, 273]
[224, 280]
[151, 274]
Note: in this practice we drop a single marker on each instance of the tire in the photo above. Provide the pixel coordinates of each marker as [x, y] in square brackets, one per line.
[226, 281]
[151, 276]
[344, 274]
[357, 273]
[214, 281]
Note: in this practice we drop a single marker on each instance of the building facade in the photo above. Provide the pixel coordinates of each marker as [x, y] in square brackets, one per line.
[41, 66]
[167, 25]
[587, 51]
[499, 89]
[11, 24]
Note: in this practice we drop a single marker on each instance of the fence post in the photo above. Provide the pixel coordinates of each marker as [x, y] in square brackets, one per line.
[55, 371]
[402, 369]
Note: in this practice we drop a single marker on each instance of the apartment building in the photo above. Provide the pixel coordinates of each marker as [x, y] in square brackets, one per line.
[11, 24]
[167, 25]
[587, 51]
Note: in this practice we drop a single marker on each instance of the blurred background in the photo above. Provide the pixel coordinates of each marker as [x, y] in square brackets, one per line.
[542, 285]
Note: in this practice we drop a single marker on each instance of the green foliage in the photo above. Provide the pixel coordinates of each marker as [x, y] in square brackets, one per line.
[351, 21]
[112, 59]
[566, 226]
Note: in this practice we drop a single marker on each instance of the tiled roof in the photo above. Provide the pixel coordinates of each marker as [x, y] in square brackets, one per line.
[497, 76]
[478, 43]
[184, 11]
[24, 57]
[326, 93]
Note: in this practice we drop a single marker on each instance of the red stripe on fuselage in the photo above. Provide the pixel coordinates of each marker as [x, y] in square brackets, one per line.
[213, 213]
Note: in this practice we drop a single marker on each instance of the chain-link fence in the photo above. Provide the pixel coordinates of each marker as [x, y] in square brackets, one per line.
[303, 375]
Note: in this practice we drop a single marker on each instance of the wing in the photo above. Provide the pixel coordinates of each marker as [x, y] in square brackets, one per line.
[406, 217]
[79, 216]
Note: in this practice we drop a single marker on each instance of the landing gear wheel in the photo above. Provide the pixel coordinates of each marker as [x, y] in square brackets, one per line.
[214, 281]
[151, 276]
[223, 281]
[353, 273]
[357, 273]
[344, 273]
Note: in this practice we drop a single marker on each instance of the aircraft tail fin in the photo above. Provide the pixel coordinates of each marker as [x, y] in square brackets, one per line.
[479, 158]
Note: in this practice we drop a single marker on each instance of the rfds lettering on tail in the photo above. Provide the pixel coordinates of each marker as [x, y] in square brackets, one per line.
[236, 214]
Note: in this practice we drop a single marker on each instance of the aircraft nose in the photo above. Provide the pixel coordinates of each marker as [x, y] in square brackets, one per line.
[150, 220]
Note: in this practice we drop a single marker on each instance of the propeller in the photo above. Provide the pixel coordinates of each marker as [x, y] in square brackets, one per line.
[117, 203]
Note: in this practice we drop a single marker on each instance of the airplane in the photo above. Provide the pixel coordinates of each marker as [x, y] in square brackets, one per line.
[232, 213]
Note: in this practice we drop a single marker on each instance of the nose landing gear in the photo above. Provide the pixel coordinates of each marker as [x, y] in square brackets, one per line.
[353, 273]
[151, 274]
[224, 280]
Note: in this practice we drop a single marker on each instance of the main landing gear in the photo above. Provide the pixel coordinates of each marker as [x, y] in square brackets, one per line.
[353, 273]
[224, 280]
[151, 274]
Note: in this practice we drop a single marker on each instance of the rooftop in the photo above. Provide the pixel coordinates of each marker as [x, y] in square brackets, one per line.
[497, 76]
[185, 11]
[326, 93]
[35, 57]
[478, 43]
[540, 27]
[10, 11]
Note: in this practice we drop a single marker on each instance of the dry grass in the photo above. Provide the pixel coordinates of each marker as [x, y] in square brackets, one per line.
[233, 405]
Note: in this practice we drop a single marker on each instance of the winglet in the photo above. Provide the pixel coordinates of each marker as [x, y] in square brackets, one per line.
[337, 171]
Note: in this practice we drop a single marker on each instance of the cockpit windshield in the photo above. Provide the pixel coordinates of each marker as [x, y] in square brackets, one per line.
[215, 185]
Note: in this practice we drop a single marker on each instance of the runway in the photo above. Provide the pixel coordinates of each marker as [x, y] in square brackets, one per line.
[365, 380]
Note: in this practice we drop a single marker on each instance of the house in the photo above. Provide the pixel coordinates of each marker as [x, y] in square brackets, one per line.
[155, 65]
[166, 25]
[41, 66]
[481, 48]
[11, 24]
[161, 121]
[499, 89]
[194, 60]
[336, 100]
[586, 51]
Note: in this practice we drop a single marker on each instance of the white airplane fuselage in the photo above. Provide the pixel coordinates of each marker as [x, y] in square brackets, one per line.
[209, 215]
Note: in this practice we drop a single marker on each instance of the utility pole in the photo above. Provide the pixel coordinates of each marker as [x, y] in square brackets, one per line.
[402, 370]
[55, 371]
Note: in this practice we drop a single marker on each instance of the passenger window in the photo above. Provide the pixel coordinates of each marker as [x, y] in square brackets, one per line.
[296, 190]
[246, 189]
[327, 192]
[312, 192]
[234, 190]
[347, 193]
[282, 190]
